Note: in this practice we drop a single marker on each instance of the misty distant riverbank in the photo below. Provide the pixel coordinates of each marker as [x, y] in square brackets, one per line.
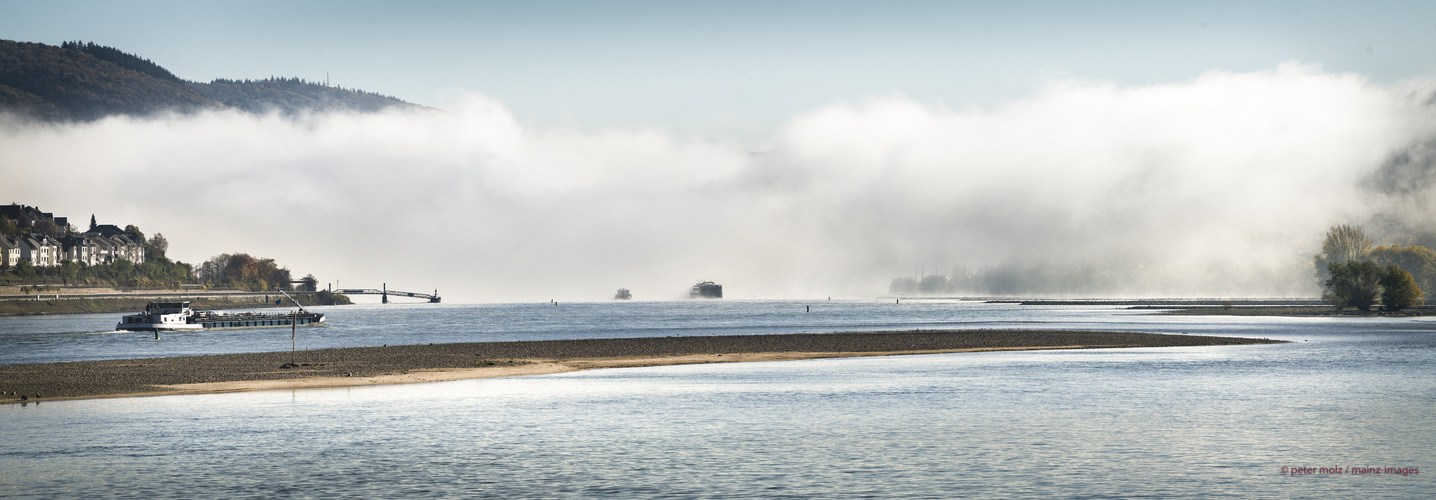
[1228, 307]
[1294, 311]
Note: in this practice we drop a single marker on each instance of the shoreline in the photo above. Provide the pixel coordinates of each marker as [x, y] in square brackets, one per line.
[82, 304]
[360, 366]
[1291, 311]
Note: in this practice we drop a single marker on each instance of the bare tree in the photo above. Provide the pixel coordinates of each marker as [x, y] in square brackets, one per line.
[1344, 244]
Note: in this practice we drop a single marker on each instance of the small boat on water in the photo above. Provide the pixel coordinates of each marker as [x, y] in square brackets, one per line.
[623, 294]
[706, 290]
[172, 316]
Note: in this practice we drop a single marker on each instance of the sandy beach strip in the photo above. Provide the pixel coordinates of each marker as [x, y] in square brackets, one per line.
[356, 366]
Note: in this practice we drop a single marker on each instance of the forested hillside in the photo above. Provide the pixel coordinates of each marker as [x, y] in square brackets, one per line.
[86, 81]
[60, 83]
[291, 95]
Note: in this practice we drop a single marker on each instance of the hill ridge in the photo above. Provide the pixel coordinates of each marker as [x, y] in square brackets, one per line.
[80, 81]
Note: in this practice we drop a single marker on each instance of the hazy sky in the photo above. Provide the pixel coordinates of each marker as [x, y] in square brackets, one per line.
[785, 149]
[734, 68]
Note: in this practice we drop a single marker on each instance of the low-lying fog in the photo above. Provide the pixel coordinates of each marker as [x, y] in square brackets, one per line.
[1219, 186]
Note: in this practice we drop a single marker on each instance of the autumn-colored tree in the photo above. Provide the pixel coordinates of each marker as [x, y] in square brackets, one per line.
[1398, 289]
[1415, 259]
[244, 271]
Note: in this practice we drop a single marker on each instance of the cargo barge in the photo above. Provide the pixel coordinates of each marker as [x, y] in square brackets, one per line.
[174, 316]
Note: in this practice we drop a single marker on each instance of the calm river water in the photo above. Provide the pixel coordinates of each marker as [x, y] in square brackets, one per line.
[1154, 423]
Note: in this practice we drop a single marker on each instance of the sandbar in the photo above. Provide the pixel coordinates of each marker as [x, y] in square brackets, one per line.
[359, 366]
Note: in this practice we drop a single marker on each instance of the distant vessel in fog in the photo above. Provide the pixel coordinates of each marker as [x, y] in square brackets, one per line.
[706, 290]
[622, 294]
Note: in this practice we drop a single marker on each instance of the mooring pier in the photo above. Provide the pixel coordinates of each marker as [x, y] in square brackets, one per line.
[433, 298]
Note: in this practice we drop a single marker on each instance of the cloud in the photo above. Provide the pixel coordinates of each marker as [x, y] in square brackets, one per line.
[1218, 186]
[1222, 185]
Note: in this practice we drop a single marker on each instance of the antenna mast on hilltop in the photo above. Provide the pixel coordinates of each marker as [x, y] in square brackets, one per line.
[326, 78]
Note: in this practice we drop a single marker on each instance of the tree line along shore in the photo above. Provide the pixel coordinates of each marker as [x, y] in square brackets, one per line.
[410, 363]
[37, 307]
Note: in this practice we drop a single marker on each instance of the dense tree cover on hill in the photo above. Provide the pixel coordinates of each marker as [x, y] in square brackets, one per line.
[86, 81]
[124, 60]
[70, 84]
[291, 95]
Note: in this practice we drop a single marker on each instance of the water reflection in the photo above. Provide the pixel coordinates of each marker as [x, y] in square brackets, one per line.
[1164, 423]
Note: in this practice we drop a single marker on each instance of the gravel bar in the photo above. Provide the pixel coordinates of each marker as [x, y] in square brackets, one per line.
[82, 379]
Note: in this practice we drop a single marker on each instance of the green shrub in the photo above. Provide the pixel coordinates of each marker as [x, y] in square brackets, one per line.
[1353, 284]
[1399, 289]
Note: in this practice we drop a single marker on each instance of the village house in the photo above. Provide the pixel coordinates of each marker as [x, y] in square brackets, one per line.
[128, 248]
[102, 250]
[112, 243]
[79, 249]
[41, 250]
[27, 217]
[9, 252]
[102, 244]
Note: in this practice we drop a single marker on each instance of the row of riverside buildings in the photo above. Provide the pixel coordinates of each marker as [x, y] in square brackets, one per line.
[103, 244]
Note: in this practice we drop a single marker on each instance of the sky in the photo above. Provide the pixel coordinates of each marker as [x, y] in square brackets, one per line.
[784, 149]
[736, 68]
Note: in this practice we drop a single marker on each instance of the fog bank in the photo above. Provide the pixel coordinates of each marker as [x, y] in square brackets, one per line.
[1219, 186]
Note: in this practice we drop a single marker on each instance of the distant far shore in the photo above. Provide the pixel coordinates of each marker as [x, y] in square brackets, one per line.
[1301, 311]
[360, 366]
[1219, 307]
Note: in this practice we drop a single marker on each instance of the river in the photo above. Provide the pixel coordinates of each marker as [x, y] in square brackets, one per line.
[1206, 422]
